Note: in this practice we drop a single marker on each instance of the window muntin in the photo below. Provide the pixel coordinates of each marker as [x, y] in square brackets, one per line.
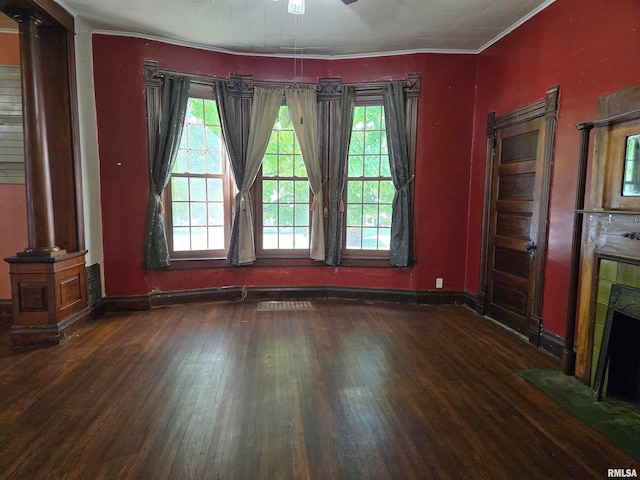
[370, 191]
[199, 191]
[284, 192]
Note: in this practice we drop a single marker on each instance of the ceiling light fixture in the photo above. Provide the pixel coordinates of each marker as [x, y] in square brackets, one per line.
[296, 7]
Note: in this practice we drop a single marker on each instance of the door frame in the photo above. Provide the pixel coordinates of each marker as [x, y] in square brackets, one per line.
[546, 107]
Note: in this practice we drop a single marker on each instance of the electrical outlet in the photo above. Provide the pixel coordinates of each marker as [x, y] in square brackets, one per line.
[439, 282]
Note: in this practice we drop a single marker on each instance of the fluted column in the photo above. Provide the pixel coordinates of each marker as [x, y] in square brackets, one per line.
[41, 229]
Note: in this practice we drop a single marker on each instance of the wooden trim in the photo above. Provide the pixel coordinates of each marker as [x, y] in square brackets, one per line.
[488, 188]
[546, 107]
[525, 113]
[550, 114]
[57, 333]
[47, 11]
[200, 295]
[552, 343]
[568, 353]
[236, 293]
[128, 303]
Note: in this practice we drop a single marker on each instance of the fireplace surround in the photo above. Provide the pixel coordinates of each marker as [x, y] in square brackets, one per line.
[619, 352]
[606, 229]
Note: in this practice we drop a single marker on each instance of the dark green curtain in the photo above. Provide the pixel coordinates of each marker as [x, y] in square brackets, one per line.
[173, 107]
[400, 248]
[233, 135]
[338, 177]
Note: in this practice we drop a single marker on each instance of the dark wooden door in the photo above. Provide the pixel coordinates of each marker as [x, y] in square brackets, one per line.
[514, 222]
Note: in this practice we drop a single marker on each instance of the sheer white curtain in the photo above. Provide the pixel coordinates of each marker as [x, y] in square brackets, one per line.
[264, 111]
[303, 107]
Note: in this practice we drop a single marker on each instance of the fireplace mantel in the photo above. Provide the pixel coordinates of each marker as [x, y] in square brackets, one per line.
[608, 226]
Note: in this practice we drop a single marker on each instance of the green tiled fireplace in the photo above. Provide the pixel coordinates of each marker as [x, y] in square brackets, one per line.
[610, 273]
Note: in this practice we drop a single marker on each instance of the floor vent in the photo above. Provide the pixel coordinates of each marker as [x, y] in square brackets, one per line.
[285, 306]
[94, 284]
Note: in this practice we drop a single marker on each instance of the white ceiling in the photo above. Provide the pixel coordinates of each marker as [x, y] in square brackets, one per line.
[327, 29]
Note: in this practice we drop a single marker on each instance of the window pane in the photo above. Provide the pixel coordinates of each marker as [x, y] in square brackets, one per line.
[370, 215]
[286, 191]
[356, 166]
[180, 213]
[387, 191]
[270, 191]
[302, 215]
[369, 238]
[370, 192]
[354, 238]
[213, 137]
[215, 190]
[302, 191]
[301, 240]
[285, 237]
[384, 218]
[372, 143]
[198, 189]
[181, 239]
[195, 110]
[354, 215]
[196, 162]
[213, 162]
[179, 189]
[195, 137]
[181, 165]
[286, 141]
[384, 238]
[270, 215]
[285, 166]
[356, 147]
[198, 213]
[372, 166]
[211, 113]
[270, 166]
[354, 192]
[216, 238]
[216, 214]
[374, 114]
[286, 214]
[270, 238]
[199, 238]
[299, 170]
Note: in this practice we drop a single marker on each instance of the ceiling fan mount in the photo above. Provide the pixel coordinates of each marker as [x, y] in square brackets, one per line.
[349, 2]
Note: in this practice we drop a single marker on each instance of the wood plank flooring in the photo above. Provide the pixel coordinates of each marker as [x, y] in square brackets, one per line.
[350, 390]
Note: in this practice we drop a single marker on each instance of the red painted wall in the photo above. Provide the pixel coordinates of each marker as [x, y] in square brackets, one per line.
[589, 48]
[442, 169]
[13, 198]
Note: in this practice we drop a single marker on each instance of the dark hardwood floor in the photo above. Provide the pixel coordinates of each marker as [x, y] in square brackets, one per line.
[350, 390]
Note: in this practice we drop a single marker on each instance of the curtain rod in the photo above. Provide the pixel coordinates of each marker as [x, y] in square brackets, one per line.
[208, 81]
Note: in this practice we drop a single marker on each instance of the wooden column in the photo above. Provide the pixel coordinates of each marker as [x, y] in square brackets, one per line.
[48, 285]
[41, 231]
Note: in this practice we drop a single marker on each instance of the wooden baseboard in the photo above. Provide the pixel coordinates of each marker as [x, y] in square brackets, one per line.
[156, 299]
[552, 343]
[57, 333]
[441, 297]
